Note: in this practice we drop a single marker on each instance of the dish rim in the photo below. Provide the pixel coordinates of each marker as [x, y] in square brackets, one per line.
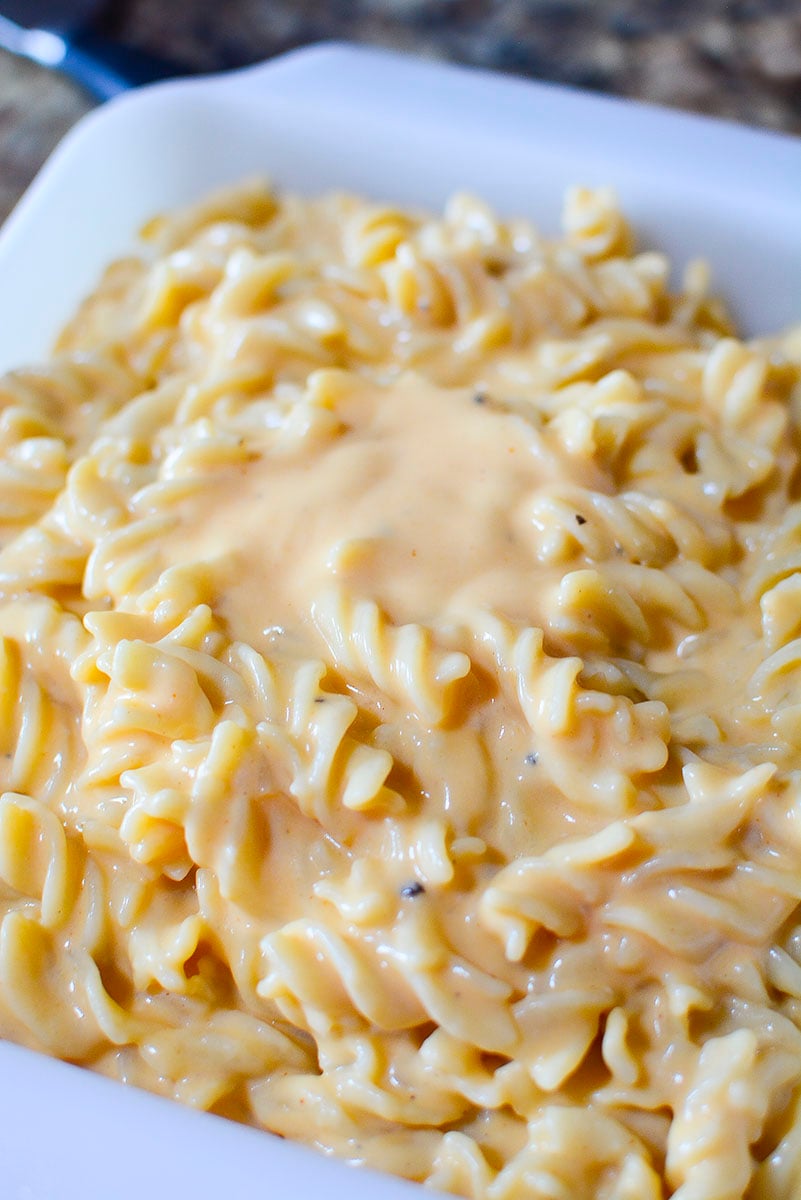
[64, 229]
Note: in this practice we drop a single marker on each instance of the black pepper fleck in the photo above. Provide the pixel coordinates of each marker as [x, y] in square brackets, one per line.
[580, 520]
[479, 397]
[410, 890]
[319, 699]
[532, 759]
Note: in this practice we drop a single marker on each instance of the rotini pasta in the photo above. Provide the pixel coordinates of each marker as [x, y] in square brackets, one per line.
[400, 650]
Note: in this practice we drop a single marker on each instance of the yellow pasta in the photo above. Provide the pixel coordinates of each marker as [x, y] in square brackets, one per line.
[400, 651]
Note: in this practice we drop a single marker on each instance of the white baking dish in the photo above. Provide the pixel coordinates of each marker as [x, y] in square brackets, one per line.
[394, 128]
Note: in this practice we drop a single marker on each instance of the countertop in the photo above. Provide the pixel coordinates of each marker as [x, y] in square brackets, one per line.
[737, 60]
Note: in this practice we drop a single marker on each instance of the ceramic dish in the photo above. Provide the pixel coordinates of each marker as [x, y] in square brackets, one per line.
[335, 117]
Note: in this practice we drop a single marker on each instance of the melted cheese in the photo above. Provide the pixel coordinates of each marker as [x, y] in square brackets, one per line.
[400, 651]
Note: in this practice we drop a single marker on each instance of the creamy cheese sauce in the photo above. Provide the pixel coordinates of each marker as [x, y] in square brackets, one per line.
[420, 528]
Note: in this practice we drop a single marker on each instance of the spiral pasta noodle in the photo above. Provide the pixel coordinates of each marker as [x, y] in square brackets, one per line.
[400, 651]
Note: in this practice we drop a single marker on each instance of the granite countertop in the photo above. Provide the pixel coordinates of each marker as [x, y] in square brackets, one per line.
[740, 60]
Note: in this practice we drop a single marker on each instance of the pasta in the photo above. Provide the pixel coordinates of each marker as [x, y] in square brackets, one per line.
[400, 644]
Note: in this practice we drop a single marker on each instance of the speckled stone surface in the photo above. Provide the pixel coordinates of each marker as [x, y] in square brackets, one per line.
[740, 60]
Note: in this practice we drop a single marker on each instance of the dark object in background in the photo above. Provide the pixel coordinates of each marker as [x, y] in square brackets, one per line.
[58, 34]
[739, 59]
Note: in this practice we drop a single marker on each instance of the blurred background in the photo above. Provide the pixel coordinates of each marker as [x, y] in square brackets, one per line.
[738, 60]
